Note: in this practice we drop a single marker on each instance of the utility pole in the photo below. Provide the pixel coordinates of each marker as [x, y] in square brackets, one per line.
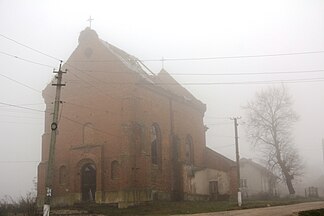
[239, 195]
[50, 162]
[323, 148]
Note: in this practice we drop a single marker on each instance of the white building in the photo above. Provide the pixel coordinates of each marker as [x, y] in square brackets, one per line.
[256, 180]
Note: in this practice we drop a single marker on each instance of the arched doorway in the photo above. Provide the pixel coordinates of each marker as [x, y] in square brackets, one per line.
[88, 182]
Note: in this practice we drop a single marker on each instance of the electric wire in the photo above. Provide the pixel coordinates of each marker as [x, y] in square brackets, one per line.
[224, 146]
[21, 107]
[21, 44]
[87, 82]
[62, 116]
[185, 59]
[303, 80]
[26, 60]
[215, 57]
[220, 74]
[171, 59]
[29, 104]
[10, 161]
[20, 83]
[174, 59]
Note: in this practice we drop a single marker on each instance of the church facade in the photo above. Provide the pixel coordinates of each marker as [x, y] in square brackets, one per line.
[126, 135]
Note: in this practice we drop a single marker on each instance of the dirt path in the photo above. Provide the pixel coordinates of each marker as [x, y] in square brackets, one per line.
[287, 210]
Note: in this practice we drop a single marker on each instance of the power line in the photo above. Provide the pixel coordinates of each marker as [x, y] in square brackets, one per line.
[65, 117]
[200, 58]
[218, 124]
[21, 107]
[304, 80]
[40, 52]
[216, 117]
[28, 123]
[249, 73]
[96, 129]
[219, 74]
[183, 59]
[21, 117]
[85, 107]
[213, 58]
[20, 83]
[318, 79]
[238, 56]
[30, 104]
[224, 146]
[87, 82]
[19, 161]
[26, 60]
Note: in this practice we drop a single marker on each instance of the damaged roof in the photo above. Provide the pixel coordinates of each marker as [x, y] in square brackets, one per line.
[163, 79]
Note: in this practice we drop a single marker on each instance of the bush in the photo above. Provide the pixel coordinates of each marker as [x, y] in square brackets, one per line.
[25, 205]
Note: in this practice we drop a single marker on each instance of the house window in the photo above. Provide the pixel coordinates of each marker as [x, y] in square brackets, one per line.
[115, 170]
[63, 175]
[155, 144]
[243, 183]
[189, 150]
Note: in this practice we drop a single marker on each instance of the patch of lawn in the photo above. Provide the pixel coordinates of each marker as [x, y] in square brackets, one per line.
[316, 212]
[160, 208]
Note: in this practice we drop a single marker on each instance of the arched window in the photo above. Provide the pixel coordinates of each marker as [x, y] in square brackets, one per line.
[88, 133]
[189, 150]
[115, 170]
[63, 175]
[155, 144]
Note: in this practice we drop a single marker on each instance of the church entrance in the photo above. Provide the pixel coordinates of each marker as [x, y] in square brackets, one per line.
[88, 182]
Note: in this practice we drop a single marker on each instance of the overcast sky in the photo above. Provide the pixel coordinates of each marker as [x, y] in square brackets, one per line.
[151, 30]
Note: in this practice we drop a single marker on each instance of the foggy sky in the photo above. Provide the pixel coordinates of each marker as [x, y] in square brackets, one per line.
[170, 29]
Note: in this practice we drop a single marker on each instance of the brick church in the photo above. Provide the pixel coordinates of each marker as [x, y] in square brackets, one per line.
[127, 136]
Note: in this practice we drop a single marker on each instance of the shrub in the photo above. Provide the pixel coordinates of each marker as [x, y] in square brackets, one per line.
[25, 205]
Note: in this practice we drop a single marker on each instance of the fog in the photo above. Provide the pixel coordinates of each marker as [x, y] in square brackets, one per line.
[251, 36]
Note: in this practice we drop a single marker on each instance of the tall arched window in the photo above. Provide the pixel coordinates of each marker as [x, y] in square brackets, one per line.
[115, 170]
[63, 175]
[155, 144]
[189, 150]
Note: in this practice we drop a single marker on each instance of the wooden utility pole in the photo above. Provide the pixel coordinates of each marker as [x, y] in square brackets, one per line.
[50, 162]
[323, 148]
[239, 195]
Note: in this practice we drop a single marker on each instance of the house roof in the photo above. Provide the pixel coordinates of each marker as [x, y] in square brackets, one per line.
[261, 168]
[217, 161]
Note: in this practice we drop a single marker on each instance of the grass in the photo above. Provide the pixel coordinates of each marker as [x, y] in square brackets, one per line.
[185, 207]
[27, 206]
[316, 212]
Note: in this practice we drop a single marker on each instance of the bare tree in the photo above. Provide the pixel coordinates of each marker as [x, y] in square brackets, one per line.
[270, 119]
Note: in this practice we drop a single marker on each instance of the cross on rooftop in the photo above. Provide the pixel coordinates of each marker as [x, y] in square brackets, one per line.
[90, 20]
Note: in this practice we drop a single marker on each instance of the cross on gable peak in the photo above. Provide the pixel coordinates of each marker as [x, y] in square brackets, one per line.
[90, 21]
